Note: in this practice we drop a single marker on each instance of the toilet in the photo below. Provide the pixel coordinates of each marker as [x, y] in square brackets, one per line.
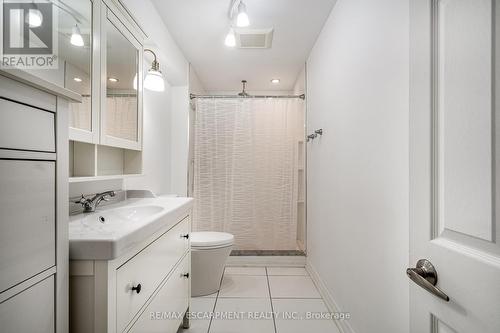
[209, 252]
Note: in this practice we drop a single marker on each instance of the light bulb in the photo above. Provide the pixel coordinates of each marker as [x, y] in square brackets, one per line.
[154, 81]
[230, 39]
[76, 37]
[242, 19]
[35, 18]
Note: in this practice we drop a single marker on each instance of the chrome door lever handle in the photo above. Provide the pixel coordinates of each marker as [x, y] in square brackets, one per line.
[425, 275]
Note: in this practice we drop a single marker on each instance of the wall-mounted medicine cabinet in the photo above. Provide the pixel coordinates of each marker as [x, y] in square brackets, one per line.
[100, 55]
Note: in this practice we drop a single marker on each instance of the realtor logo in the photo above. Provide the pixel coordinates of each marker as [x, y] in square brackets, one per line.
[29, 37]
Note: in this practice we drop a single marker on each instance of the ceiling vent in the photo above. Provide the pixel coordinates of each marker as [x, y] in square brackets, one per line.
[254, 38]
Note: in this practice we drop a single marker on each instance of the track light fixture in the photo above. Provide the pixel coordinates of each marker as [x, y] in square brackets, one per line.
[242, 19]
[237, 16]
[230, 40]
[76, 37]
[35, 18]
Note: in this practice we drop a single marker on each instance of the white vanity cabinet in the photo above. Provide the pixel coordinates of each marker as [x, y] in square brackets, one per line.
[120, 294]
[33, 204]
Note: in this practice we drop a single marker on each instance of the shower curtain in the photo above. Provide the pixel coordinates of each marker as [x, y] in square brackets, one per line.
[245, 170]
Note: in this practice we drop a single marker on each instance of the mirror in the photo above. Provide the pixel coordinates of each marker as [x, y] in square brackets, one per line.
[76, 49]
[122, 59]
[74, 55]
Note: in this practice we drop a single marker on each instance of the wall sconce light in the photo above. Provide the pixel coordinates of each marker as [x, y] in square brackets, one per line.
[154, 78]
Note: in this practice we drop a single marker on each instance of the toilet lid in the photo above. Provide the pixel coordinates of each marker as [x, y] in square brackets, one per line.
[211, 238]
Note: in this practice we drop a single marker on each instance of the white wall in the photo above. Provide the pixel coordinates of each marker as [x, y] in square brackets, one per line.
[300, 83]
[179, 139]
[156, 157]
[357, 90]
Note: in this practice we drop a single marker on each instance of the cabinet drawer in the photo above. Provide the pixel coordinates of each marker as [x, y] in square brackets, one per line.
[148, 268]
[25, 127]
[27, 228]
[31, 310]
[172, 299]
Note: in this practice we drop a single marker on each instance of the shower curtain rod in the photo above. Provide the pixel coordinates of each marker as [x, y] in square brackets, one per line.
[193, 96]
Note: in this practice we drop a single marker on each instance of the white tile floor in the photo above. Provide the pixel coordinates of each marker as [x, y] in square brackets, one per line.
[264, 300]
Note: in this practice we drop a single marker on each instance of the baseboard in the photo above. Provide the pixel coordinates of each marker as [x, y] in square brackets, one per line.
[343, 325]
[283, 261]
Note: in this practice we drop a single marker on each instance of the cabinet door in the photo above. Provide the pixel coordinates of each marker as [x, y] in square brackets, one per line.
[32, 310]
[121, 93]
[27, 228]
[81, 64]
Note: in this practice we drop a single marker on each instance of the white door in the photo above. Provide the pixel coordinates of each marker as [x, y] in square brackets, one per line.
[454, 155]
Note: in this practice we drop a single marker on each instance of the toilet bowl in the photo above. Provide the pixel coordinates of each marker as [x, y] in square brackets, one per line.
[209, 252]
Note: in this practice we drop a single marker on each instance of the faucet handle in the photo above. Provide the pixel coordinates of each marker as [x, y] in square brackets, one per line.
[82, 200]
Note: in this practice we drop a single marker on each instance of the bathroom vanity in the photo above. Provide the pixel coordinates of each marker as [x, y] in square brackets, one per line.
[130, 266]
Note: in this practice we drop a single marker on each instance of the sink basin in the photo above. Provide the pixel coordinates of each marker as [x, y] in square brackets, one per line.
[112, 230]
[122, 215]
[108, 219]
[136, 213]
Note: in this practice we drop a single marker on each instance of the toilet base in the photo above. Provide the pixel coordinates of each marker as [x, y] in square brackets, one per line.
[207, 267]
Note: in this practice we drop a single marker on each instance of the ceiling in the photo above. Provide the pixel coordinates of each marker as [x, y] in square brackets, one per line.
[200, 26]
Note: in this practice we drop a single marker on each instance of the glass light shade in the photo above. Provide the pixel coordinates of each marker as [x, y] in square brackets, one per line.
[76, 37]
[242, 18]
[154, 81]
[230, 40]
[35, 18]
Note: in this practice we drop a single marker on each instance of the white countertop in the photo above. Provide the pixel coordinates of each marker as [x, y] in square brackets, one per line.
[125, 225]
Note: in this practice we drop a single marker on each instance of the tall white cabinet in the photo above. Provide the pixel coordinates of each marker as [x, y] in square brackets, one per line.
[33, 204]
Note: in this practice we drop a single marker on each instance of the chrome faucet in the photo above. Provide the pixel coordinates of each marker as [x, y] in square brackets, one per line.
[90, 205]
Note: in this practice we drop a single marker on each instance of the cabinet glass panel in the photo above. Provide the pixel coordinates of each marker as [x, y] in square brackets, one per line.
[122, 59]
[70, 22]
[77, 50]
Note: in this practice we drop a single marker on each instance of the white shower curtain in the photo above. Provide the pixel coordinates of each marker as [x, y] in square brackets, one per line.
[245, 170]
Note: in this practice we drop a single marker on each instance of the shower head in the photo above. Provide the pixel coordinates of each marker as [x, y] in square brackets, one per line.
[243, 93]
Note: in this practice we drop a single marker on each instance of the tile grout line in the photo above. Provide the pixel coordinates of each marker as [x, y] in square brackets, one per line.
[271, 300]
[216, 299]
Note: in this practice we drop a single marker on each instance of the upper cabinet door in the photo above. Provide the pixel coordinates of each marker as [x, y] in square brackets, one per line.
[121, 81]
[80, 51]
[76, 30]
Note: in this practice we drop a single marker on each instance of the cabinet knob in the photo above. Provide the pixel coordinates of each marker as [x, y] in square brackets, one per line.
[185, 236]
[137, 288]
[185, 275]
